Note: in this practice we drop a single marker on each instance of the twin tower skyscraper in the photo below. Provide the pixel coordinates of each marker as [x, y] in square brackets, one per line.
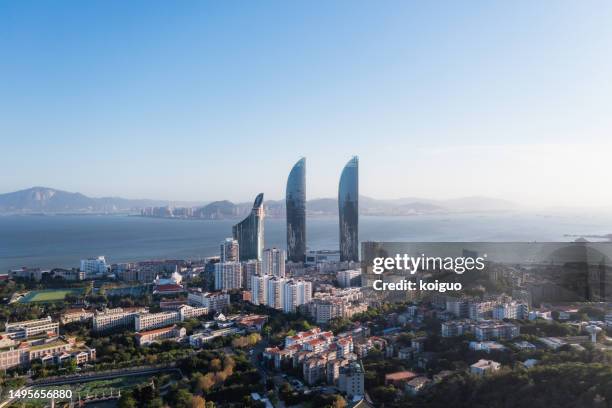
[250, 231]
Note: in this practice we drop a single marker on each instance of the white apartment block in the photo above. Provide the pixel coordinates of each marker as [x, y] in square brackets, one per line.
[94, 266]
[512, 310]
[276, 296]
[273, 262]
[189, 312]
[228, 275]
[216, 301]
[259, 289]
[296, 293]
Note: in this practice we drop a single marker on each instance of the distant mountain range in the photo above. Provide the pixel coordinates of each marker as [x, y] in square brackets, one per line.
[51, 201]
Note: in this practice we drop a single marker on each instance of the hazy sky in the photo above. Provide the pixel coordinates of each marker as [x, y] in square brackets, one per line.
[198, 100]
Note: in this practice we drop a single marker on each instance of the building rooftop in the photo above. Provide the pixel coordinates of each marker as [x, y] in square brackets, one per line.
[400, 376]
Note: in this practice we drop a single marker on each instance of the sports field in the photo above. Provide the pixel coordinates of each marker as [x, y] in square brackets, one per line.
[49, 295]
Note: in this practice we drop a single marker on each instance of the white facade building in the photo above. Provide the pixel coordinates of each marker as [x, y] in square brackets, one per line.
[275, 295]
[94, 266]
[296, 293]
[273, 262]
[228, 275]
[259, 289]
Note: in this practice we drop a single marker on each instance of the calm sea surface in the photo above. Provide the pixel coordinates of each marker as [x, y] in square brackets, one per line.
[61, 241]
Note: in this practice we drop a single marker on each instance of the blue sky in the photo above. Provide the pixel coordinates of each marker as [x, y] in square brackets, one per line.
[200, 100]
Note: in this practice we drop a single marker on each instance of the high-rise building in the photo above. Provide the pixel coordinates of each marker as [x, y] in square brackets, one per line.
[296, 212]
[250, 232]
[296, 293]
[276, 287]
[351, 379]
[229, 250]
[274, 262]
[349, 278]
[348, 210]
[250, 268]
[259, 289]
[228, 275]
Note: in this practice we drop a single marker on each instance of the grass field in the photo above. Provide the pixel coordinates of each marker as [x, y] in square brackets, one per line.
[50, 295]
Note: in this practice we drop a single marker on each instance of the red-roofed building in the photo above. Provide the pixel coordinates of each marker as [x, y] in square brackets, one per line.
[399, 378]
[168, 289]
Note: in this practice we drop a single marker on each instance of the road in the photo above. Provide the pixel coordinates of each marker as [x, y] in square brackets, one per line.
[105, 375]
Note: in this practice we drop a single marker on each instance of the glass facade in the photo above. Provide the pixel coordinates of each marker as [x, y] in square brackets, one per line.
[296, 212]
[348, 210]
[250, 232]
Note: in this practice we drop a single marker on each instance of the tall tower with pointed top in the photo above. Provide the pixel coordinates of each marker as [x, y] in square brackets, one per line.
[295, 199]
[348, 211]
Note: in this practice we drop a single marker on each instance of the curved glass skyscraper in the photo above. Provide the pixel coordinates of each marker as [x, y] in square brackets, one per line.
[348, 210]
[250, 232]
[295, 197]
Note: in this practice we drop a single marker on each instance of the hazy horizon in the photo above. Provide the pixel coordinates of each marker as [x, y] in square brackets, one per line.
[210, 101]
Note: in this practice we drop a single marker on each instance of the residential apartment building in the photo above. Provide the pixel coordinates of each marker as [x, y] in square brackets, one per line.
[228, 276]
[216, 301]
[296, 293]
[349, 278]
[95, 266]
[351, 379]
[273, 262]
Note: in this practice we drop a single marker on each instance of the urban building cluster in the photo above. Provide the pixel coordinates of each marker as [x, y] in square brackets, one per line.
[322, 358]
[27, 341]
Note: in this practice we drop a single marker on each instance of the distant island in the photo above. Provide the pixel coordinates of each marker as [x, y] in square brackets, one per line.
[45, 200]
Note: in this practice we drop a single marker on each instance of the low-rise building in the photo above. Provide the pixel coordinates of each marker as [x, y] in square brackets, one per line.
[454, 328]
[214, 301]
[496, 330]
[486, 346]
[166, 333]
[399, 378]
[552, 342]
[524, 345]
[482, 367]
[200, 338]
[416, 385]
[30, 328]
[111, 319]
[76, 315]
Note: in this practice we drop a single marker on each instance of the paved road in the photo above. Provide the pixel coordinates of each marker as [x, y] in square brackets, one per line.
[101, 376]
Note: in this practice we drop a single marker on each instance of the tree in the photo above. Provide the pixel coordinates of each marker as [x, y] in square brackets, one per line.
[207, 382]
[198, 402]
[127, 400]
[215, 365]
[339, 402]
